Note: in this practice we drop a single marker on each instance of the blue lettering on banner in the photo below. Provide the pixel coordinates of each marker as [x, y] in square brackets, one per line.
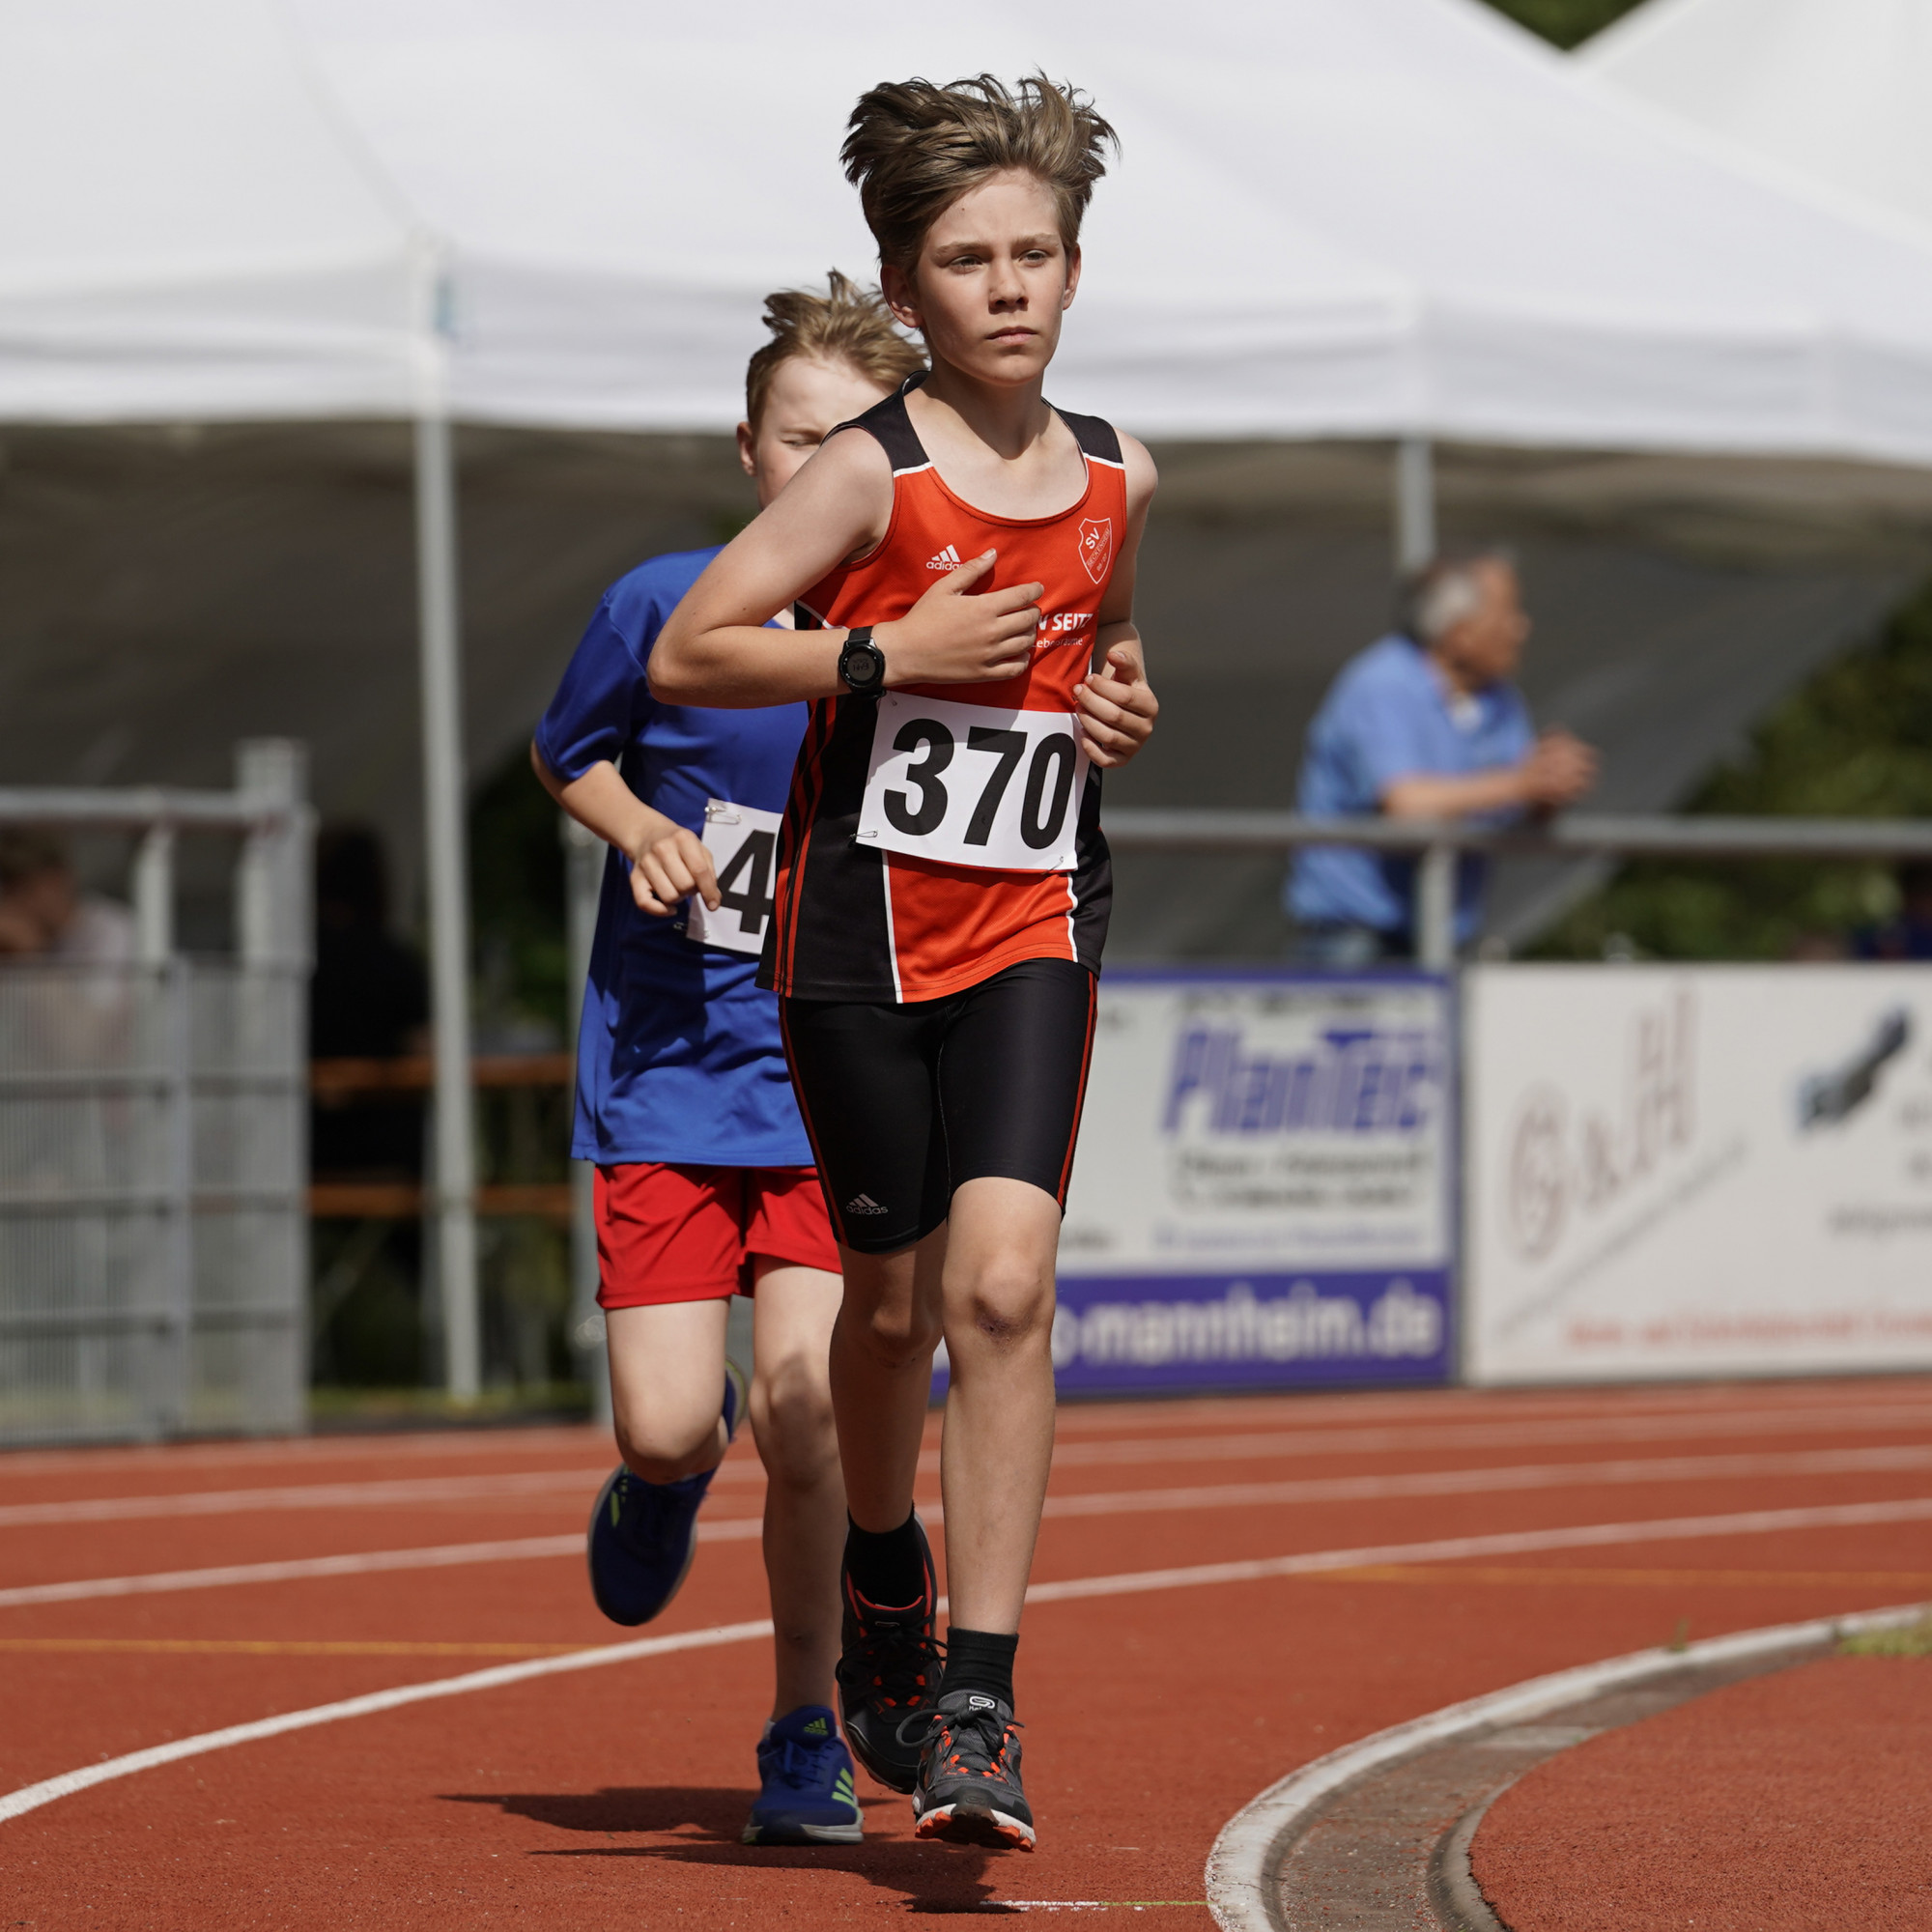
[1357, 1080]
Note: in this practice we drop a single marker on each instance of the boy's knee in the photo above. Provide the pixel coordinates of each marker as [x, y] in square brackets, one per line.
[1006, 1304]
[659, 1449]
[896, 1337]
[791, 1418]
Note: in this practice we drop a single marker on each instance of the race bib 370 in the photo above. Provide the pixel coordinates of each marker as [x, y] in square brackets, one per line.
[968, 784]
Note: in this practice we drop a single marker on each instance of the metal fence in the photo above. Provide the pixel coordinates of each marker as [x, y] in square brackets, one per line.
[1573, 835]
[153, 1129]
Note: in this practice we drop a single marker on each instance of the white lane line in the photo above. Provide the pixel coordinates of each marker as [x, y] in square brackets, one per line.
[1441, 1405]
[1426, 1414]
[1250, 1447]
[1106, 1502]
[1478, 1482]
[403, 1490]
[1241, 1866]
[32, 1796]
[1503, 1543]
[390, 1448]
[1442, 1549]
[1262, 1445]
[361, 1563]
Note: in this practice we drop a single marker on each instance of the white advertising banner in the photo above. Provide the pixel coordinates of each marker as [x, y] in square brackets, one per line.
[1696, 1171]
[1262, 1188]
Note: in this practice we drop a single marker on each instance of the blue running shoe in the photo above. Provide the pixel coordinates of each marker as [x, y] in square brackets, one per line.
[643, 1535]
[805, 1773]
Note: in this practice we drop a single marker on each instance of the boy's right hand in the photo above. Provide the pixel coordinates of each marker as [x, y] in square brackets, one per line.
[952, 636]
[665, 873]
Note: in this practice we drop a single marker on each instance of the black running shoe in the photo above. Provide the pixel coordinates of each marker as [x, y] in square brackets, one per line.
[969, 1791]
[888, 1672]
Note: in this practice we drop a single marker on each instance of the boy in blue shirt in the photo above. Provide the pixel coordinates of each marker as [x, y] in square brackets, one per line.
[705, 1185]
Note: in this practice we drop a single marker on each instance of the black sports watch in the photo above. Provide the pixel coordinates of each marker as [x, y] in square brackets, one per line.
[862, 663]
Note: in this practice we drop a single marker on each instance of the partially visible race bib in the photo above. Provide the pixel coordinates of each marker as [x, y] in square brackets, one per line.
[971, 785]
[743, 842]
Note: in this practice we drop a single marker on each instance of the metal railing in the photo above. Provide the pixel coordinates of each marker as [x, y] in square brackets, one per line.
[267, 808]
[153, 1241]
[1573, 835]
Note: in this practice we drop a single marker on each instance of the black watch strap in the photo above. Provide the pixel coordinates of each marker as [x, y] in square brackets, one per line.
[861, 664]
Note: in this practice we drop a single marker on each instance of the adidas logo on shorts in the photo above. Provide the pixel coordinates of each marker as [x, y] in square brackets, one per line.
[947, 559]
[863, 1204]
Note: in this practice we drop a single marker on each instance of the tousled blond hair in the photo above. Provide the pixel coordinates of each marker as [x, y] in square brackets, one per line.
[913, 149]
[847, 324]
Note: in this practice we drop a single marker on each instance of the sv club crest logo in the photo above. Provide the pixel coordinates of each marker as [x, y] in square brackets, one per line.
[1096, 546]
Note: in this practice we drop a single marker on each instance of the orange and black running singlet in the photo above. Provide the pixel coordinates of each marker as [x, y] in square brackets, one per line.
[938, 833]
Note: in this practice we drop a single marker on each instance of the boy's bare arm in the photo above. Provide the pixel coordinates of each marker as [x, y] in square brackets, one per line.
[716, 650]
[1118, 707]
[667, 863]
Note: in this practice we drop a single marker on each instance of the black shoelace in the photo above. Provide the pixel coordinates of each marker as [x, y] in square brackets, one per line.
[976, 1738]
[894, 1665]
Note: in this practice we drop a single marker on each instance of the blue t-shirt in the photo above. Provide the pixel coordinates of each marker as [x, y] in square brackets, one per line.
[678, 1057]
[1389, 716]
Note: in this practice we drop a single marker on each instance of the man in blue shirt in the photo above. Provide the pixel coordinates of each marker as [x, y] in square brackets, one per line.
[1424, 723]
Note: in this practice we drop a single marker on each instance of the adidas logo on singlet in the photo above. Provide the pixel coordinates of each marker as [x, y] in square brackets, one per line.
[947, 559]
[863, 1204]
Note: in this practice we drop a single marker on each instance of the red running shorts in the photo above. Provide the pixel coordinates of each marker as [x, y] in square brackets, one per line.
[688, 1233]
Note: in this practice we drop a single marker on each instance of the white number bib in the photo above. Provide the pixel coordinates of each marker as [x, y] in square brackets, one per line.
[743, 842]
[973, 785]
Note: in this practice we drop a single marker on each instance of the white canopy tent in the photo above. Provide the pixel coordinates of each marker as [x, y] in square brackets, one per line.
[1832, 92]
[1332, 217]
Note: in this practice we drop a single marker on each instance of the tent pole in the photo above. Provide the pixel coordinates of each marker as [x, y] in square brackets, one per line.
[583, 873]
[454, 1184]
[1414, 503]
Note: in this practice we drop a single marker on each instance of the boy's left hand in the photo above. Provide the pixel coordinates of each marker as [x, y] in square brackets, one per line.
[1118, 708]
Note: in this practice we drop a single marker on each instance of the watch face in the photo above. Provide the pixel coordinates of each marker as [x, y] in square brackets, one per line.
[860, 666]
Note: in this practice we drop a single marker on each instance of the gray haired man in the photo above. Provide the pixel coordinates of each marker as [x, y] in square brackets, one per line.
[1424, 723]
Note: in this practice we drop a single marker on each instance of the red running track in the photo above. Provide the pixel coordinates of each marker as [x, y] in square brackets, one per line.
[613, 1797]
[1796, 1802]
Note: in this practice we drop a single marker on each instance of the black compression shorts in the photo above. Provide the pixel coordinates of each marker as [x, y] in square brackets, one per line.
[905, 1103]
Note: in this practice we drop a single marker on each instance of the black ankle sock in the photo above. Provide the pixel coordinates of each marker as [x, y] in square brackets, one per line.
[979, 1660]
[886, 1567]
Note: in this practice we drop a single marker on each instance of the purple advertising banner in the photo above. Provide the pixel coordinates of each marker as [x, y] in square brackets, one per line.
[1206, 1331]
[1262, 1194]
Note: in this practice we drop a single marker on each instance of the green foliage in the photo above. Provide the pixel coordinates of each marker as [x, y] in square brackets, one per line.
[366, 1312]
[1853, 742]
[1914, 1640]
[517, 900]
[1566, 22]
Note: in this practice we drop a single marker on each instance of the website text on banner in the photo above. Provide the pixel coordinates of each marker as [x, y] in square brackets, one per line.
[1260, 1198]
[1697, 1171]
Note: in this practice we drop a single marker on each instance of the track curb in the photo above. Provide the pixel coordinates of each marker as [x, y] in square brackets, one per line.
[1241, 1866]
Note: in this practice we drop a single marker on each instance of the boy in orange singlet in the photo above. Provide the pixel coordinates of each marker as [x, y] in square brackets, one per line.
[944, 886]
